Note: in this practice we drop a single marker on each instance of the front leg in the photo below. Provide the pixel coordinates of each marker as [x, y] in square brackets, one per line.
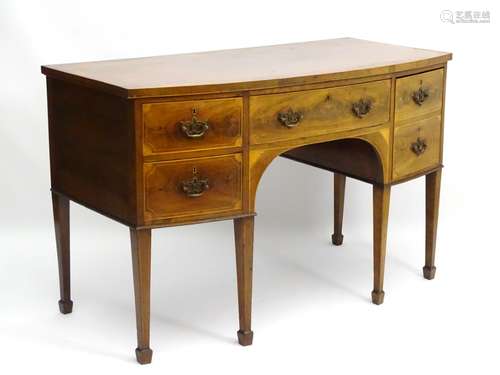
[141, 265]
[381, 196]
[432, 188]
[60, 206]
[243, 235]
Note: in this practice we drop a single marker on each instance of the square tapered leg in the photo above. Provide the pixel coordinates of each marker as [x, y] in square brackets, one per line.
[60, 205]
[432, 189]
[141, 265]
[338, 208]
[381, 197]
[243, 235]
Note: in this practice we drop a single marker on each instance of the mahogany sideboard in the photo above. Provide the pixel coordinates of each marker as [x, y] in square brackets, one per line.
[170, 140]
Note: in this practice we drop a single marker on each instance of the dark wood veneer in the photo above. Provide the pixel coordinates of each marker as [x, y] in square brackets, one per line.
[92, 143]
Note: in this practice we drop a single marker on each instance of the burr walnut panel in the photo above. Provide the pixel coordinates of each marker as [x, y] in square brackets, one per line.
[281, 117]
[192, 186]
[419, 94]
[191, 125]
[417, 147]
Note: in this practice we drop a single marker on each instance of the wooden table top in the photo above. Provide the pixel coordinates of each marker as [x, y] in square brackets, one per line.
[246, 68]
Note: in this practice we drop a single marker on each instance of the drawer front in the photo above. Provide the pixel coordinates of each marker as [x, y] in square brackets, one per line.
[419, 94]
[192, 186]
[417, 147]
[191, 125]
[279, 117]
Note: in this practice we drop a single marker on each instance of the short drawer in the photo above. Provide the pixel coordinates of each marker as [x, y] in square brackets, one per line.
[419, 94]
[279, 117]
[417, 147]
[191, 125]
[192, 186]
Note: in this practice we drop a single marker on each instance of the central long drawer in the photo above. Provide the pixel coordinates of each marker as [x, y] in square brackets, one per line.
[281, 117]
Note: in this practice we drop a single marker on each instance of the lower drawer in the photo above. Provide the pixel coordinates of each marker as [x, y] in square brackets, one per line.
[192, 187]
[417, 146]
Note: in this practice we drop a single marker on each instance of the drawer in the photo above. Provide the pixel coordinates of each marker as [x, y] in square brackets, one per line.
[279, 117]
[192, 186]
[417, 147]
[191, 125]
[419, 94]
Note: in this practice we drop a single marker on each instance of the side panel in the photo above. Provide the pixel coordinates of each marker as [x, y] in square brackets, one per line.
[92, 149]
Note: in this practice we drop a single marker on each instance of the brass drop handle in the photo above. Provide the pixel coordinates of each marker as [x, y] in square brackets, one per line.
[194, 128]
[361, 107]
[420, 95]
[289, 118]
[419, 146]
[195, 186]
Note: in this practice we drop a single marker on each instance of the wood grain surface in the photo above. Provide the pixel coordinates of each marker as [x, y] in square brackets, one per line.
[406, 161]
[163, 125]
[431, 82]
[322, 111]
[246, 68]
[164, 196]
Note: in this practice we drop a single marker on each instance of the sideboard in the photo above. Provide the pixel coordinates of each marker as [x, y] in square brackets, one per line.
[181, 139]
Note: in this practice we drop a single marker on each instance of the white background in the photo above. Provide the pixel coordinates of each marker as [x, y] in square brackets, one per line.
[312, 310]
